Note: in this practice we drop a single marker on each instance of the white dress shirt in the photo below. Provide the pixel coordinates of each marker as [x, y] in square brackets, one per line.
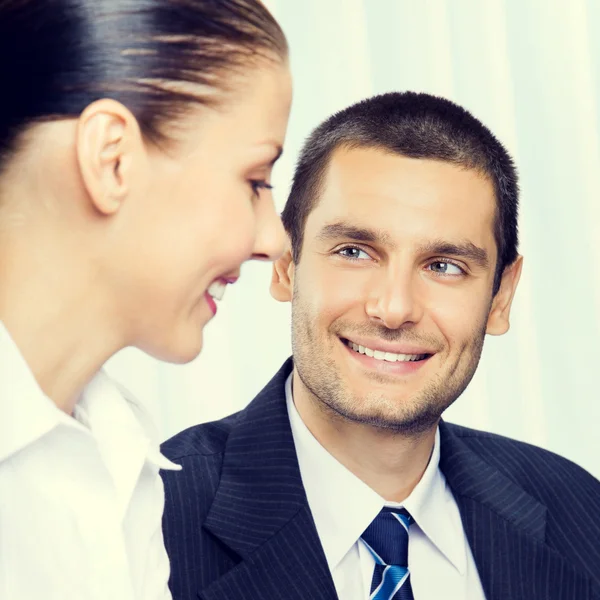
[81, 500]
[439, 557]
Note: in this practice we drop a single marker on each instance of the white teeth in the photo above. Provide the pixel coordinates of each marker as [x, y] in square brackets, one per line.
[387, 356]
[217, 290]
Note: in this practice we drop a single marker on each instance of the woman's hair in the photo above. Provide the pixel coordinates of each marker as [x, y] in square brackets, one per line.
[58, 56]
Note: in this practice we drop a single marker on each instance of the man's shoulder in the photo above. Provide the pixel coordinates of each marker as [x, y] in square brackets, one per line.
[200, 449]
[204, 440]
[534, 468]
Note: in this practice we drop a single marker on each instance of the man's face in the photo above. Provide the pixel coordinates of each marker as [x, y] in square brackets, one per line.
[392, 295]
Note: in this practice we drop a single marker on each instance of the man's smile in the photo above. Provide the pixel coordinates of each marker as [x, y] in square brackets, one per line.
[393, 358]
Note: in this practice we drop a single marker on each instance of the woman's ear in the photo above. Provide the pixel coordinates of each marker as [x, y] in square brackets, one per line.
[109, 143]
[282, 281]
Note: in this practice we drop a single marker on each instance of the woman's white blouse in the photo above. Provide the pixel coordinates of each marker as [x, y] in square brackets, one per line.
[81, 500]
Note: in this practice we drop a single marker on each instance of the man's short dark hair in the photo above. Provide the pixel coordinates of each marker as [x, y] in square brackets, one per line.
[416, 126]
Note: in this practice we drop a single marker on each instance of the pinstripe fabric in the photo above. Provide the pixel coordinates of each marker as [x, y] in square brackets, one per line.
[531, 516]
[238, 526]
[239, 514]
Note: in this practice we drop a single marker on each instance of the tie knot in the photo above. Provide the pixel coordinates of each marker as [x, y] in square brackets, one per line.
[387, 536]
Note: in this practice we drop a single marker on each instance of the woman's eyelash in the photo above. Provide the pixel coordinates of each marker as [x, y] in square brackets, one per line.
[260, 184]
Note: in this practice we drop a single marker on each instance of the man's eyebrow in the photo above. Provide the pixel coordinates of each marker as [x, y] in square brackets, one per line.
[465, 249]
[341, 229]
[348, 231]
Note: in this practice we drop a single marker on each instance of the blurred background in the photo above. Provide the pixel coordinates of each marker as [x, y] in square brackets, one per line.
[530, 70]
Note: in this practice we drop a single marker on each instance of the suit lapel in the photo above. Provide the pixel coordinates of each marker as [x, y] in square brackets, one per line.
[290, 565]
[260, 510]
[505, 527]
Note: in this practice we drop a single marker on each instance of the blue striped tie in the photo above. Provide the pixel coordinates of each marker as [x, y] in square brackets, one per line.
[387, 540]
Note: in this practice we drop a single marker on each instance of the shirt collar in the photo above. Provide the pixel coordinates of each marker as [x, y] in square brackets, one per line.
[430, 505]
[340, 523]
[117, 419]
[27, 414]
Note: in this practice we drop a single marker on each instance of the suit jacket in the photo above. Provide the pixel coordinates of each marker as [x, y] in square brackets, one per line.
[238, 526]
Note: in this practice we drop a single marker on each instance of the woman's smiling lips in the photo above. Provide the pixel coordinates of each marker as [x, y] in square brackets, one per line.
[401, 359]
[211, 303]
[216, 291]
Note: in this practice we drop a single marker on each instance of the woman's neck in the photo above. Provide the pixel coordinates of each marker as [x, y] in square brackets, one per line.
[56, 317]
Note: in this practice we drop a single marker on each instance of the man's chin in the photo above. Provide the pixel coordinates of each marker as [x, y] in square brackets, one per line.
[406, 422]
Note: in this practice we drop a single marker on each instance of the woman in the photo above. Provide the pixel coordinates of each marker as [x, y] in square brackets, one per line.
[137, 139]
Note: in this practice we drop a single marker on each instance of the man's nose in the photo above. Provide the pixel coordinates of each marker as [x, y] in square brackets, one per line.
[394, 300]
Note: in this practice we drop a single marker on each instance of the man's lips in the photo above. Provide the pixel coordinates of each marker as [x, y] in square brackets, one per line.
[388, 363]
[378, 347]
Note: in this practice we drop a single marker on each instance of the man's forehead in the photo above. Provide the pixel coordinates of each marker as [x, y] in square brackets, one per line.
[365, 167]
[373, 185]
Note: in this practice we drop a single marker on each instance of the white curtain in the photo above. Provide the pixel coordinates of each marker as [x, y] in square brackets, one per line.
[530, 70]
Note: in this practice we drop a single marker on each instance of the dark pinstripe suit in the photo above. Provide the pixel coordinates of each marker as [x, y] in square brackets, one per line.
[238, 526]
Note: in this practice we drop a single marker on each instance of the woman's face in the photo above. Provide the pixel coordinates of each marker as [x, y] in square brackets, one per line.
[200, 211]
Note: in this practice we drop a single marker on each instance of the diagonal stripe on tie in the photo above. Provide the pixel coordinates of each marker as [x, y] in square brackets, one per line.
[404, 520]
[393, 579]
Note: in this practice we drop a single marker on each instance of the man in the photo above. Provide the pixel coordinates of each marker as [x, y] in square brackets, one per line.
[340, 479]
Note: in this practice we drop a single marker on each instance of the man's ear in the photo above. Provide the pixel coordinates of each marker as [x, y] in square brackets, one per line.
[108, 141]
[282, 282]
[499, 317]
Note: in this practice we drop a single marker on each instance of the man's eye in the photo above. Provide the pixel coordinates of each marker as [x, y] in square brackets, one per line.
[353, 253]
[445, 268]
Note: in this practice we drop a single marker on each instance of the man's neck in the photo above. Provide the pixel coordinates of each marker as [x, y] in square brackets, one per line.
[389, 462]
